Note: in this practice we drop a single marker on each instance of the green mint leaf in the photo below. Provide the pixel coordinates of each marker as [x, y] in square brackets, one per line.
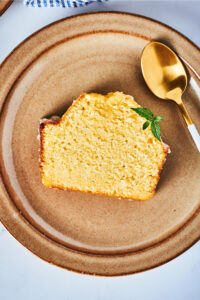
[145, 125]
[151, 120]
[144, 112]
[158, 118]
[155, 128]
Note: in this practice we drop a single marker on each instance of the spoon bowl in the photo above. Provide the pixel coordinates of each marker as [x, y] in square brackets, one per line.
[163, 71]
[166, 77]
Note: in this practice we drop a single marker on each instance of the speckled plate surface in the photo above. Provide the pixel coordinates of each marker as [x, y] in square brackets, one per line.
[95, 234]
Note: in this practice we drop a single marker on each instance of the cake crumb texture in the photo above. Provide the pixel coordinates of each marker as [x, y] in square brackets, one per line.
[98, 146]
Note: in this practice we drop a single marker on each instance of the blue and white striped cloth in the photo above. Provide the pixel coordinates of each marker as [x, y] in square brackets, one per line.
[60, 3]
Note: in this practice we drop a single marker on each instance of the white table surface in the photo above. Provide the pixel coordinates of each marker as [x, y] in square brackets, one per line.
[25, 276]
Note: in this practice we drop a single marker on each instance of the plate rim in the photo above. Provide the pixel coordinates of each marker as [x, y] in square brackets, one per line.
[20, 218]
[96, 13]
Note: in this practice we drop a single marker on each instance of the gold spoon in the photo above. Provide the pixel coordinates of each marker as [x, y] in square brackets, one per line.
[166, 77]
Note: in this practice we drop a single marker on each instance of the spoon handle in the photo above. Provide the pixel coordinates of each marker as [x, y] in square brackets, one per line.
[191, 127]
[185, 113]
[195, 135]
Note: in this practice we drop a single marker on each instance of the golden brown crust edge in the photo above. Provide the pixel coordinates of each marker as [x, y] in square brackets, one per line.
[45, 122]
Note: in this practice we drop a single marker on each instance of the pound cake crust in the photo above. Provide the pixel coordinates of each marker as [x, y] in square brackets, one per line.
[98, 146]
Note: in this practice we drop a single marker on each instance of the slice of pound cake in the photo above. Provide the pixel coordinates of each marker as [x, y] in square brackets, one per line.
[98, 146]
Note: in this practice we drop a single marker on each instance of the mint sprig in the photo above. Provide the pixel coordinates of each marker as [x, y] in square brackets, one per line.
[151, 120]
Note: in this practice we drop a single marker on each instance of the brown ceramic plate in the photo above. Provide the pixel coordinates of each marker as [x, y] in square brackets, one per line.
[82, 232]
[4, 4]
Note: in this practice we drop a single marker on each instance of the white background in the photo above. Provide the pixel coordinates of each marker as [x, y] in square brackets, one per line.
[23, 275]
